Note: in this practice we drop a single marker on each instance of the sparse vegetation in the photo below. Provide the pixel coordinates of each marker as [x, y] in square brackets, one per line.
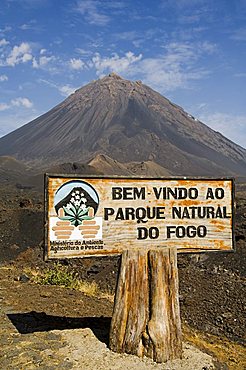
[58, 275]
[61, 275]
[88, 288]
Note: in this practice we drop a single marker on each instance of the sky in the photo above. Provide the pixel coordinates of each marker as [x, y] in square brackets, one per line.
[191, 51]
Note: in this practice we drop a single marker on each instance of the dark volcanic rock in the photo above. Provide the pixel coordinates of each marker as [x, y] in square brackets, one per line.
[129, 122]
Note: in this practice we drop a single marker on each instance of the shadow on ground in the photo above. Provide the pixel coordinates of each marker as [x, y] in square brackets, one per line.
[33, 321]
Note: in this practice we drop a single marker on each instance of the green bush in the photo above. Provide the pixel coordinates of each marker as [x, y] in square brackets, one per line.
[62, 276]
[59, 275]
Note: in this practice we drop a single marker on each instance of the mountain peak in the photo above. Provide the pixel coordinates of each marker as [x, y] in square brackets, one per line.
[115, 76]
[128, 122]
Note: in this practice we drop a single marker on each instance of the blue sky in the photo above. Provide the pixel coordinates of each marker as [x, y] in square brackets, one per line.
[191, 51]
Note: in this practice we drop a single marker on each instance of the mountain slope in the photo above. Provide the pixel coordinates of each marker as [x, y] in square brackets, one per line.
[127, 121]
[12, 171]
[110, 166]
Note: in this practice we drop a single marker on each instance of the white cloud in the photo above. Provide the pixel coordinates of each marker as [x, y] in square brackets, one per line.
[231, 126]
[11, 121]
[24, 102]
[19, 54]
[126, 35]
[26, 57]
[3, 42]
[35, 63]
[84, 52]
[66, 90]
[76, 64]
[4, 106]
[23, 53]
[3, 78]
[176, 68]
[208, 47]
[90, 10]
[5, 29]
[161, 75]
[181, 53]
[45, 60]
[25, 27]
[115, 63]
[42, 61]
[18, 102]
[136, 38]
[31, 25]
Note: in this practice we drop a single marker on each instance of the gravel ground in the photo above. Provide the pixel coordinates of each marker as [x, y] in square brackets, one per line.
[50, 327]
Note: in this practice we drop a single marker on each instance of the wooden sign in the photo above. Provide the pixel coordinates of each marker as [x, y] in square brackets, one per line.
[147, 221]
[104, 216]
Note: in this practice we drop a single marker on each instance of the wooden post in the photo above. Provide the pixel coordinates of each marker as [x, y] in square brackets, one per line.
[146, 318]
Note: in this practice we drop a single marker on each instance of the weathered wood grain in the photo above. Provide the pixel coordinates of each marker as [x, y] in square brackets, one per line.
[146, 319]
[164, 326]
[119, 231]
[131, 304]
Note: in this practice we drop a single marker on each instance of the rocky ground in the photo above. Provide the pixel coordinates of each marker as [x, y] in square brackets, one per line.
[52, 327]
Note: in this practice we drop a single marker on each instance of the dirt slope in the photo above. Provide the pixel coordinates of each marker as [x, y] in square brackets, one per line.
[110, 166]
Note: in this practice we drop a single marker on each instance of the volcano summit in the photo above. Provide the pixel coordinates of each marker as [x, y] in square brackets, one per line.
[129, 122]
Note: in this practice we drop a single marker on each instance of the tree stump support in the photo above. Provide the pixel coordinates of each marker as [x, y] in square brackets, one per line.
[146, 316]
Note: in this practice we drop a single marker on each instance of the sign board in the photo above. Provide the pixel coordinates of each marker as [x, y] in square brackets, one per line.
[87, 216]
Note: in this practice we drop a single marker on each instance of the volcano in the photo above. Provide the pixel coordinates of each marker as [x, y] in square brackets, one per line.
[128, 122]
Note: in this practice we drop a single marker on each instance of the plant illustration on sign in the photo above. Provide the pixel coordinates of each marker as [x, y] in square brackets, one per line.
[76, 210]
[76, 203]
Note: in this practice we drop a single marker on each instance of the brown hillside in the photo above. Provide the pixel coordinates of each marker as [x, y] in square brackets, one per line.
[129, 122]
